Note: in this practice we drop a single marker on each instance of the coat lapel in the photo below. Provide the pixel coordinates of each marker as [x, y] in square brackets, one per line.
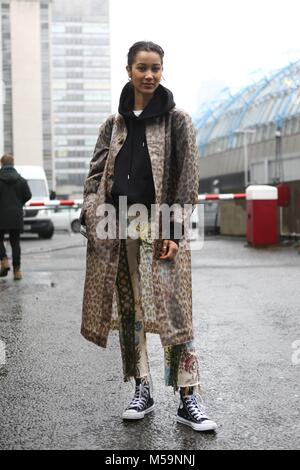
[118, 137]
[155, 136]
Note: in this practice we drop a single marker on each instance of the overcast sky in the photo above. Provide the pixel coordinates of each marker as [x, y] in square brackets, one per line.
[209, 45]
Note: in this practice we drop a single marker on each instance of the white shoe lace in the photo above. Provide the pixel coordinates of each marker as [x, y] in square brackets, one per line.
[195, 407]
[140, 397]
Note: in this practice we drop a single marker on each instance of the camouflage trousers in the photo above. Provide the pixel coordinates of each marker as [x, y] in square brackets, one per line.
[181, 364]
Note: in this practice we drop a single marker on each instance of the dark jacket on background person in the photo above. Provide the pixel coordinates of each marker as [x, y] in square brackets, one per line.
[14, 192]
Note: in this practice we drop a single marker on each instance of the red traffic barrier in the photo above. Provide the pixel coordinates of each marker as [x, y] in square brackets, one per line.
[63, 202]
[221, 197]
[201, 197]
[35, 204]
[66, 202]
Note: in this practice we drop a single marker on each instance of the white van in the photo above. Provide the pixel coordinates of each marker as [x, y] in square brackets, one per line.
[36, 220]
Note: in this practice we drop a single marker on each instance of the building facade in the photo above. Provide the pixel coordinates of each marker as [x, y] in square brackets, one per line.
[2, 92]
[26, 82]
[253, 137]
[81, 86]
[55, 76]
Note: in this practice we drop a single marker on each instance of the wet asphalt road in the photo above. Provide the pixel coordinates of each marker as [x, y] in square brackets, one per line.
[58, 391]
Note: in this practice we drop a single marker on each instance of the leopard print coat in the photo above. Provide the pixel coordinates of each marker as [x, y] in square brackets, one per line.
[167, 289]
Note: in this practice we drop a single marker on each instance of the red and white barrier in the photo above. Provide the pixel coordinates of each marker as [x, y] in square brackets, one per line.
[54, 203]
[201, 198]
[221, 197]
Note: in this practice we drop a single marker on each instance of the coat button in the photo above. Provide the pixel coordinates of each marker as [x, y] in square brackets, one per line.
[120, 140]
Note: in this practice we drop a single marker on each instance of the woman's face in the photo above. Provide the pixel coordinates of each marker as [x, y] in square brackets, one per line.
[145, 72]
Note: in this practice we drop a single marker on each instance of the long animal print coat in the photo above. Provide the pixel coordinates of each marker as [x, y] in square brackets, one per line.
[166, 285]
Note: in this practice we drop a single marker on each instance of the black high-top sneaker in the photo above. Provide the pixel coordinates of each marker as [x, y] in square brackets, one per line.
[192, 413]
[142, 402]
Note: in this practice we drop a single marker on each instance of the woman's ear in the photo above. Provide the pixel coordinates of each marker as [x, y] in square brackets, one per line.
[128, 68]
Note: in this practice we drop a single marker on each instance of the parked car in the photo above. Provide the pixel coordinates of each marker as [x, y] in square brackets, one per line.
[65, 218]
[35, 220]
[208, 216]
[211, 218]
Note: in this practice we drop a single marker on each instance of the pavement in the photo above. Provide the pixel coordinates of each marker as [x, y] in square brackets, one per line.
[58, 391]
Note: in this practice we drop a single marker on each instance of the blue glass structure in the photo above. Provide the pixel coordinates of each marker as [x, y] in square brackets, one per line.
[267, 103]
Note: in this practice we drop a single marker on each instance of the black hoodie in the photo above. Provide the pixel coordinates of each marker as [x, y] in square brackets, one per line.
[133, 173]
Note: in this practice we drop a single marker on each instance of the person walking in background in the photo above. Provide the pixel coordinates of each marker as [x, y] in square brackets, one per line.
[14, 192]
[146, 153]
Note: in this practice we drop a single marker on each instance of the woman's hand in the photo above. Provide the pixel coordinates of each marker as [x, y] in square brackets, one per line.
[168, 250]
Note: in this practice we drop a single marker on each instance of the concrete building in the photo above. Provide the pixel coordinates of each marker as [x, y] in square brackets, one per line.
[26, 78]
[55, 70]
[81, 86]
[2, 94]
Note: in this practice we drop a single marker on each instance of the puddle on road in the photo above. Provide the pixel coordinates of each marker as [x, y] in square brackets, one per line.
[41, 278]
[30, 280]
[4, 286]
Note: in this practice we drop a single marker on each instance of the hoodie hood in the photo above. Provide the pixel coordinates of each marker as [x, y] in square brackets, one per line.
[9, 175]
[161, 103]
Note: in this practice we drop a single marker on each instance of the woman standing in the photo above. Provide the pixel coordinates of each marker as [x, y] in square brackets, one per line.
[147, 153]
